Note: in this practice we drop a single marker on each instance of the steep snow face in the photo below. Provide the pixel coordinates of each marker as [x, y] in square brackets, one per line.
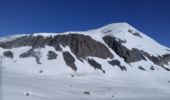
[132, 38]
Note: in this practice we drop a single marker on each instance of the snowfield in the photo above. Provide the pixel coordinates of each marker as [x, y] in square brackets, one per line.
[98, 87]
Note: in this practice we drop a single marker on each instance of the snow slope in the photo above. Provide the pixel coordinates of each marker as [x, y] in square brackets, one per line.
[99, 86]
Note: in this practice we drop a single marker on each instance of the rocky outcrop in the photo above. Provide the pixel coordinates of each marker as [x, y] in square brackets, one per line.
[152, 68]
[134, 55]
[129, 56]
[159, 60]
[8, 54]
[141, 68]
[70, 61]
[168, 49]
[134, 33]
[116, 62]
[32, 53]
[82, 46]
[95, 64]
[35, 42]
[52, 55]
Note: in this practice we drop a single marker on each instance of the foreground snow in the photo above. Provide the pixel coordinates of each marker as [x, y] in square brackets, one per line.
[66, 87]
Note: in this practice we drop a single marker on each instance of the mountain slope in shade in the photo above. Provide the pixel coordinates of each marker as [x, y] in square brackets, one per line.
[117, 53]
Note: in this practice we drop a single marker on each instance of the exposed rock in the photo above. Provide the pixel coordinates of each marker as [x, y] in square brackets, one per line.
[116, 62]
[129, 56]
[52, 55]
[69, 59]
[8, 54]
[32, 53]
[35, 42]
[168, 49]
[27, 93]
[40, 71]
[166, 68]
[95, 64]
[82, 46]
[152, 68]
[160, 60]
[134, 55]
[80, 59]
[134, 33]
[72, 75]
[87, 92]
[141, 68]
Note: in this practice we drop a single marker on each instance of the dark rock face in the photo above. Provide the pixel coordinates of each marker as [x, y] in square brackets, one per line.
[141, 68]
[87, 92]
[116, 62]
[129, 56]
[52, 55]
[35, 42]
[165, 59]
[134, 55]
[160, 60]
[69, 59]
[168, 49]
[82, 46]
[32, 53]
[8, 54]
[152, 68]
[40, 71]
[95, 64]
[134, 33]
[166, 68]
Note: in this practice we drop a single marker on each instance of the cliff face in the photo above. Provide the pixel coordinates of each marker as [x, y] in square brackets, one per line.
[81, 45]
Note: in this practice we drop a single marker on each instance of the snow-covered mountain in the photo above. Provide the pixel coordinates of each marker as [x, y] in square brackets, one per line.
[102, 49]
[116, 50]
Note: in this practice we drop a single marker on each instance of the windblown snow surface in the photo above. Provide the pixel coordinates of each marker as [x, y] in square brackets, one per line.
[24, 79]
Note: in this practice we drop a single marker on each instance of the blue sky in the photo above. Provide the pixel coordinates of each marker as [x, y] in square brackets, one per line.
[30, 16]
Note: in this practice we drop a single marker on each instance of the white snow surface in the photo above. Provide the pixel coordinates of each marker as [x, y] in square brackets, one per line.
[119, 86]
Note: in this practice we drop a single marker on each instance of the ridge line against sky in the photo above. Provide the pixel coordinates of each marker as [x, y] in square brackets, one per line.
[33, 16]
